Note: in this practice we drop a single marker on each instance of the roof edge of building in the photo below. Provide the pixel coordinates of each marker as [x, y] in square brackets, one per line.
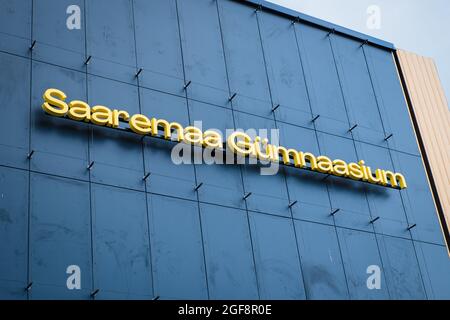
[292, 14]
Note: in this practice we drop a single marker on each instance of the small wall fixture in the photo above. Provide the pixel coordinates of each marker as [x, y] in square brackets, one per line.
[335, 211]
[94, 293]
[187, 84]
[373, 220]
[29, 155]
[232, 97]
[32, 45]
[247, 195]
[88, 60]
[89, 167]
[353, 128]
[198, 186]
[315, 118]
[28, 287]
[146, 176]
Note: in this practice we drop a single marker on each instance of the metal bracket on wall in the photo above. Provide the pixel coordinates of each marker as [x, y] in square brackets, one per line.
[364, 43]
[138, 73]
[32, 45]
[353, 128]
[373, 220]
[29, 155]
[258, 8]
[94, 293]
[232, 97]
[296, 19]
[146, 176]
[411, 226]
[292, 204]
[198, 186]
[156, 298]
[315, 118]
[89, 167]
[388, 137]
[275, 108]
[332, 31]
[333, 212]
[88, 60]
[187, 84]
[247, 195]
[28, 287]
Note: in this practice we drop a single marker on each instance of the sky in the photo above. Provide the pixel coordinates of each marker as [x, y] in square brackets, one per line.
[420, 26]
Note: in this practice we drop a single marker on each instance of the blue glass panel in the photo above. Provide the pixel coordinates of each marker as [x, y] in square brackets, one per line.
[245, 60]
[434, 264]
[117, 155]
[322, 80]
[55, 42]
[268, 187]
[51, 292]
[228, 253]
[13, 290]
[321, 261]
[60, 235]
[384, 202]
[359, 95]
[285, 71]
[308, 188]
[60, 145]
[15, 103]
[110, 39]
[213, 167]
[177, 253]
[13, 233]
[402, 271]
[15, 26]
[276, 257]
[166, 176]
[391, 100]
[158, 45]
[121, 242]
[202, 50]
[359, 251]
[417, 199]
[345, 194]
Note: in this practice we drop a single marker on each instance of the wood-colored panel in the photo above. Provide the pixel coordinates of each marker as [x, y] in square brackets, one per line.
[433, 121]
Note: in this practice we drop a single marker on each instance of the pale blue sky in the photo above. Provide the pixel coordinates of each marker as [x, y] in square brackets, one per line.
[420, 26]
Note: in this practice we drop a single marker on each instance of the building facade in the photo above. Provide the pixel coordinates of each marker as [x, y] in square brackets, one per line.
[74, 201]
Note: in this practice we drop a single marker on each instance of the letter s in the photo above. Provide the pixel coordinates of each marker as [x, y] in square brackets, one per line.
[54, 102]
